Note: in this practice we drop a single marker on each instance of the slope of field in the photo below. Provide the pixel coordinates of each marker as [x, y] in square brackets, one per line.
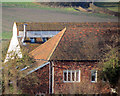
[10, 15]
[113, 6]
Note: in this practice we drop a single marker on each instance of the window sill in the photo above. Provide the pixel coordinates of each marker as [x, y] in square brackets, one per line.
[93, 81]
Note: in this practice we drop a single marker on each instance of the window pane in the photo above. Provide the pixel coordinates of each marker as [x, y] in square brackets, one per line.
[65, 76]
[73, 76]
[93, 78]
[68, 76]
[93, 75]
[77, 75]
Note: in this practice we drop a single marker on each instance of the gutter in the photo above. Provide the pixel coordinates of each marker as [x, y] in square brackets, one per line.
[38, 68]
[51, 78]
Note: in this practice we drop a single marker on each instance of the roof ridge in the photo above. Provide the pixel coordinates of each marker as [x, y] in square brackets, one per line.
[57, 43]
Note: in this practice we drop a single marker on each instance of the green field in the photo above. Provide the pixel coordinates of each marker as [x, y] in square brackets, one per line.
[6, 35]
[115, 9]
[20, 5]
[33, 5]
[113, 6]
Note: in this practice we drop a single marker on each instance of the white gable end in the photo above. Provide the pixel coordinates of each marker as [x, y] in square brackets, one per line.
[14, 47]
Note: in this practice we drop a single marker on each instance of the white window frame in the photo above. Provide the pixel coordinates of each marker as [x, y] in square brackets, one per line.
[75, 71]
[94, 71]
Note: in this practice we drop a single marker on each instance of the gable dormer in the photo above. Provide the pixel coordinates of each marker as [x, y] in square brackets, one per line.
[31, 32]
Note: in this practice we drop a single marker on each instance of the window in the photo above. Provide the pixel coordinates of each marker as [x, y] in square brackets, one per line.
[32, 40]
[71, 76]
[93, 76]
[44, 39]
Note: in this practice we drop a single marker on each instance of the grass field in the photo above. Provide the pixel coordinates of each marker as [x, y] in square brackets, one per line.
[6, 35]
[33, 5]
[115, 9]
[113, 6]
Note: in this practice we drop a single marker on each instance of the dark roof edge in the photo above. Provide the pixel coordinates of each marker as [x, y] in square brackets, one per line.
[41, 30]
[75, 60]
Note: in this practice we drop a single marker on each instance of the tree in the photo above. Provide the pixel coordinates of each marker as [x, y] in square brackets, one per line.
[111, 68]
[12, 71]
[111, 63]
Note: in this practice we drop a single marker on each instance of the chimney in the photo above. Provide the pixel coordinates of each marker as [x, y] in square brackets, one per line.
[24, 33]
[15, 30]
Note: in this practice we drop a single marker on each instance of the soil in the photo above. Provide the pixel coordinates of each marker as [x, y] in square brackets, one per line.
[9, 15]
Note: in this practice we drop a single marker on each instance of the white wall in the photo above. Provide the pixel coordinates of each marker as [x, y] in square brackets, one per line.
[14, 47]
[39, 33]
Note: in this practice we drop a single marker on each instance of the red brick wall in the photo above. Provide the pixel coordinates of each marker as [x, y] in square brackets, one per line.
[82, 87]
[36, 82]
[43, 74]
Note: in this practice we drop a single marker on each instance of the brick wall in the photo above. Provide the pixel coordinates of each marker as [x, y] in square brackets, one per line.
[85, 86]
[36, 82]
[43, 75]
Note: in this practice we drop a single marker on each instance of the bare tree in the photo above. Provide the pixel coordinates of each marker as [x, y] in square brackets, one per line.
[12, 72]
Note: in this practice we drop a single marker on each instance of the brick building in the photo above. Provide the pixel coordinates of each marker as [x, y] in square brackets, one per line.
[72, 58]
[68, 63]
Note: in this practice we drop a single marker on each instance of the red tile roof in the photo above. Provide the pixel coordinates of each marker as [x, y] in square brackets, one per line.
[37, 26]
[76, 44]
[84, 43]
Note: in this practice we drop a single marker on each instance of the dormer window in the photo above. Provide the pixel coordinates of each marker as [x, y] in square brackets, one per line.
[32, 40]
[44, 39]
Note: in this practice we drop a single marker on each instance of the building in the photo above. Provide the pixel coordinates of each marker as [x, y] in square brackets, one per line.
[68, 62]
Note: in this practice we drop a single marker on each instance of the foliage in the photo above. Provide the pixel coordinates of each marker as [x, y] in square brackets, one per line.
[12, 72]
[5, 44]
[111, 68]
[110, 63]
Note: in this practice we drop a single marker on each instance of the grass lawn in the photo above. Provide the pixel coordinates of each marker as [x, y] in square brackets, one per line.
[6, 35]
